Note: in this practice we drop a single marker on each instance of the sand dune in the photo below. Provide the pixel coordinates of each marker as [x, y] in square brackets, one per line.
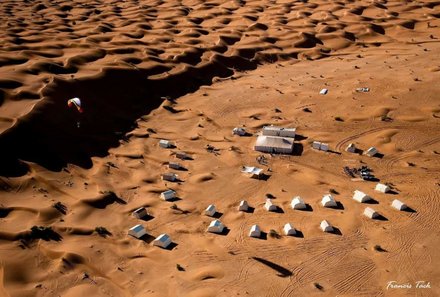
[189, 72]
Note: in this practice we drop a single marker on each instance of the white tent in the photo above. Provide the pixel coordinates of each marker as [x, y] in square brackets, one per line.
[137, 231]
[210, 210]
[244, 206]
[351, 148]
[174, 165]
[165, 143]
[370, 213]
[371, 152]
[382, 188]
[323, 91]
[168, 195]
[298, 203]
[274, 144]
[254, 172]
[269, 206]
[255, 231]
[239, 131]
[360, 196]
[140, 213]
[399, 205]
[162, 241]
[216, 227]
[169, 176]
[323, 147]
[326, 227]
[316, 145]
[279, 131]
[328, 201]
[289, 230]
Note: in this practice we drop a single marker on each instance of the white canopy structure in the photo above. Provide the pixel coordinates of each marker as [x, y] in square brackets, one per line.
[288, 229]
[298, 203]
[169, 176]
[163, 241]
[216, 227]
[244, 206]
[239, 131]
[210, 210]
[137, 231]
[279, 131]
[382, 188]
[326, 227]
[399, 205]
[328, 201]
[168, 195]
[254, 172]
[351, 148]
[165, 143]
[140, 213]
[255, 231]
[320, 146]
[269, 206]
[371, 152]
[361, 196]
[370, 213]
[274, 144]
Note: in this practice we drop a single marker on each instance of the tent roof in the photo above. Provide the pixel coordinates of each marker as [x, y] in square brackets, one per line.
[274, 141]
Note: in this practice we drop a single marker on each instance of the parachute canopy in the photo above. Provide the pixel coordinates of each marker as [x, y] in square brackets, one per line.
[75, 102]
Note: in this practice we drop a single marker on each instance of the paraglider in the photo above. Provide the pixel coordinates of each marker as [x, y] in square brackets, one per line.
[75, 103]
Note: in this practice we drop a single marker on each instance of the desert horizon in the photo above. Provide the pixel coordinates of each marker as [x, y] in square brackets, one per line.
[219, 148]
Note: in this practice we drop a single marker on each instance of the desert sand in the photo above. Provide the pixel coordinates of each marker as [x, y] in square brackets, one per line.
[221, 64]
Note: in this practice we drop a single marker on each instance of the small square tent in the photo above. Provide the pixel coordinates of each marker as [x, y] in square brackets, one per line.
[162, 241]
[323, 91]
[288, 229]
[244, 206]
[253, 172]
[210, 210]
[326, 227]
[351, 148]
[239, 131]
[399, 205]
[216, 227]
[328, 201]
[169, 176]
[361, 196]
[140, 213]
[174, 165]
[323, 147]
[382, 188]
[168, 195]
[370, 213]
[269, 206]
[137, 231]
[298, 203]
[165, 143]
[371, 152]
[255, 231]
[316, 145]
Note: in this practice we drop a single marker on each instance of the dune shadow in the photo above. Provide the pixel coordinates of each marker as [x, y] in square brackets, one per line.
[44, 233]
[282, 272]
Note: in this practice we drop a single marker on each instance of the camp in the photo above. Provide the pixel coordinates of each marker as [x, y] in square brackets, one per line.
[269, 206]
[137, 231]
[382, 188]
[326, 227]
[370, 213]
[162, 241]
[210, 210]
[140, 213]
[243, 206]
[289, 230]
[273, 144]
[361, 196]
[279, 131]
[168, 195]
[216, 227]
[298, 203]
[255, 231]
[328, 201]
[399, 205]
